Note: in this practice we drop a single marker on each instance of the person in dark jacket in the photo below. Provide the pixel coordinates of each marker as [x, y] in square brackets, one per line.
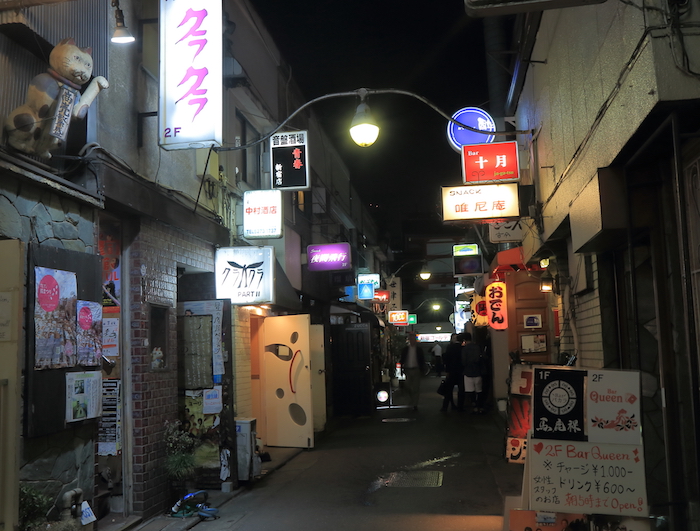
[473, 382]
[412, 365]
[452, 361]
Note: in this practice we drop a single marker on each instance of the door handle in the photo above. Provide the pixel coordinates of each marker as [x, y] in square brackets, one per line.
[321, 371]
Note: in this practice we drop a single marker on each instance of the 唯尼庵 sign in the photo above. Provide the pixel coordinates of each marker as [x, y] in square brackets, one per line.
[289, 156]
[190, 74]
[262, 214]
[483, 201]
[245, 275]
[329, 257]
[490, 162]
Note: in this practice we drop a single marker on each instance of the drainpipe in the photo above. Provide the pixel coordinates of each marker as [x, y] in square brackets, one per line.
[70, 503]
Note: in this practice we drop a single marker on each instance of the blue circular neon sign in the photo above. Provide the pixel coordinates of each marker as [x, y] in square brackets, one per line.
[473, 117]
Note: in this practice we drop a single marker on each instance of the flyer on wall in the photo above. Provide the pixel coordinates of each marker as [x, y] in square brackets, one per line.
[83, 395]
[54, 318]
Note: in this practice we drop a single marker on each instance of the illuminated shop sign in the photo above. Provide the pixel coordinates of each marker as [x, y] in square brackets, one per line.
[485, 201]
[246, 275]
[329, 257]
[474, 118]
[490, 162]
[289, 156]
[190, 74]
[399, 318]
[496, 305]
[262, 214]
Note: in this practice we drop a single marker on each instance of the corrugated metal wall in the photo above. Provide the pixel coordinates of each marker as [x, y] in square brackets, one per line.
[87, 21]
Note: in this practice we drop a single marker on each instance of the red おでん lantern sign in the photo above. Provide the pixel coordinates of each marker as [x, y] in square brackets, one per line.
[497, 307]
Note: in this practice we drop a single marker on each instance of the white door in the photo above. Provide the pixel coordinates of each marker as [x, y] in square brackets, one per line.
[318, 377]
[286, 379]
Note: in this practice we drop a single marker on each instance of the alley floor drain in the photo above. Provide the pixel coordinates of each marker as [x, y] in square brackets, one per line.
[399, 419]
[414, 478]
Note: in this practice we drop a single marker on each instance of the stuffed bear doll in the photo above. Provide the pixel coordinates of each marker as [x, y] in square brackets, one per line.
[53, 100]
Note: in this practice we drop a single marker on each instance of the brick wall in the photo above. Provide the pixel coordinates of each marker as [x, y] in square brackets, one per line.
[160, 249]
[241, 348]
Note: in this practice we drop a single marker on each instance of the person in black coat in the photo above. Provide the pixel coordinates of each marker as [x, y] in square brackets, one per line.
[452, 361]
[412, 365]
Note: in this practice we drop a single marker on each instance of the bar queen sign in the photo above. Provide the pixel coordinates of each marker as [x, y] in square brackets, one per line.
[190, 74]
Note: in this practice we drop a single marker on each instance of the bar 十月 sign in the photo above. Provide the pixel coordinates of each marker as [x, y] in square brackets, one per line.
[496, 161]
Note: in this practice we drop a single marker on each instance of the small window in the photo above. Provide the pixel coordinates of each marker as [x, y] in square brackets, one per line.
[158, 345]
[251, 169]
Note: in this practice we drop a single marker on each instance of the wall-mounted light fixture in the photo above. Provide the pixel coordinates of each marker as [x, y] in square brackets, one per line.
[546, 283]
[121, 34]
[425, 273]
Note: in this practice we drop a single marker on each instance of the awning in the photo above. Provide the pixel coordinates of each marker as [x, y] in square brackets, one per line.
[511, 260]
[285, 294]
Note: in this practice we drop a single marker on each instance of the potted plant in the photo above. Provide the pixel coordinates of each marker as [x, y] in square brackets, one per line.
[179, 454]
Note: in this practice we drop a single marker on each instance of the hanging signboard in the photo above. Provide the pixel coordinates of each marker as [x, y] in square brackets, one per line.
[506, 231]
[329, 257]
[191, 84]
[496, 161]
[262, 214]
[398, 318]
[289, 156]
[480, 202]
[497, 305]
[395, 300]
[246, 275]
[475, 118]
[365, 291]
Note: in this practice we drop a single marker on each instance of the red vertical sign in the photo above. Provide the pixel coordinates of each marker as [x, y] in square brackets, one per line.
[496, 305]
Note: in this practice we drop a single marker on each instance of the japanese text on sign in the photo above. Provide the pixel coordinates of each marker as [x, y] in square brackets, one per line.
[496, 302]
[587, 477]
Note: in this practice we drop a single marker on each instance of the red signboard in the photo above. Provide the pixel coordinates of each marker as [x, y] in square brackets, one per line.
[496, 304]
[497, 161]
[382, 295]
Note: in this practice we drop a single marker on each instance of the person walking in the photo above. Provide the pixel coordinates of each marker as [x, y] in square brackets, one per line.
[412, 365]
[454, 374]
[471, 360]
[436, 351]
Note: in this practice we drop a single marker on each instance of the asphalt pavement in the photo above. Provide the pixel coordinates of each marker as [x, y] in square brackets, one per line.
[398, 469]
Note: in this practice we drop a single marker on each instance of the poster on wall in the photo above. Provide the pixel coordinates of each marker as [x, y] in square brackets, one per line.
[216, 310]
[83, 395]
[110, 250]
[519, 415]
[89, 333]
[197, 420]
[109, 433]
[110, 336]
[55, 318]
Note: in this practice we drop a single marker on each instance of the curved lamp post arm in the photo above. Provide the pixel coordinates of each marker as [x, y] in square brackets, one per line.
[362, 93]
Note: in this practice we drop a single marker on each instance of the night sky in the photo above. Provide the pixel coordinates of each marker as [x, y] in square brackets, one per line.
[429, 48]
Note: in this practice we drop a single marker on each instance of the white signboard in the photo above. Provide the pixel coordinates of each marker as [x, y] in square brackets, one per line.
[395, 300]
[506, 231]
[486, 201]
[613, 404]
[190, 74]
[262, 214]
[83, 395]
[246, 275]
[576, 476]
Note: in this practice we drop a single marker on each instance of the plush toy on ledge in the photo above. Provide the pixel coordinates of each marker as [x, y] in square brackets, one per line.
[53, 100]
